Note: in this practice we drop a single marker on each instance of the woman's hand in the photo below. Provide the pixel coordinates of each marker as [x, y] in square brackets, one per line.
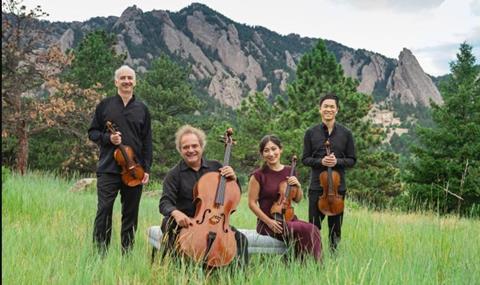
[297, 192]
[275, 226]
[293, 181]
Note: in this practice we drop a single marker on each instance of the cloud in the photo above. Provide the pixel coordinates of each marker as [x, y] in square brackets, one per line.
[475, 6]
[474, 37]
[394, 5]
[436, 59]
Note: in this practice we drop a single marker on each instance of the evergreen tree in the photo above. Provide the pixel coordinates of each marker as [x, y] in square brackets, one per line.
[375, 176]
[374, 180]
[168, 95]
[95, 61]
[34, 101]
[445, 171]
[93, 66]
[20, 74]
[257, 117]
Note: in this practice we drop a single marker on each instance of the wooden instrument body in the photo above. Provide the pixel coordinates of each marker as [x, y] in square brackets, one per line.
[282, 209]
[211, 220]
[132, 172]
[210, 239]
[330, 203]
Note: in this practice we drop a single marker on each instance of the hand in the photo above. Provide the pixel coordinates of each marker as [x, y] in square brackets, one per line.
[228, 172]
[293, 181]
[275, 226]
[181, 219]
[145, 179]
[116, 138]
[329, 160]
[297, 194]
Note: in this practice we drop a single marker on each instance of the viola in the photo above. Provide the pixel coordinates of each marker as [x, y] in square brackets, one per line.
[282, 209]
[330, 203]
[210, 239]
[132, 172]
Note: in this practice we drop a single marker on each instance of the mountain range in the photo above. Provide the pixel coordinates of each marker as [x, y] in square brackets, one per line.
[231, 60]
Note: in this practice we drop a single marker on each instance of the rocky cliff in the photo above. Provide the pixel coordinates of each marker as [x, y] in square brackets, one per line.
[232, 60]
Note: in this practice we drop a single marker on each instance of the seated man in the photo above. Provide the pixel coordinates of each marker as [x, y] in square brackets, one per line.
[176, 204]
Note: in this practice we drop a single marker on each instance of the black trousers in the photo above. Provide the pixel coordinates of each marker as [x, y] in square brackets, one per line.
[315, 216]
[108, 186]
[170, 231]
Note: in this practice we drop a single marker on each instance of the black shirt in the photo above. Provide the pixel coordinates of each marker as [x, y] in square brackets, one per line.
[178, 187]
[132, 121]
[341, 144]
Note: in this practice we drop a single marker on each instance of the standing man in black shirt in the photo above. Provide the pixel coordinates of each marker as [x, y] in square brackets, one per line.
[132, 119]
[177, 201]
[314, 155]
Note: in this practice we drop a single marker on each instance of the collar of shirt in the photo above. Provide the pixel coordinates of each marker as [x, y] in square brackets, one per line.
[325, 130]
[184, 166]
[119, 98]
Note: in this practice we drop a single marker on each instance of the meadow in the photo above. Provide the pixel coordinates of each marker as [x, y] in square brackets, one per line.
[47, 239]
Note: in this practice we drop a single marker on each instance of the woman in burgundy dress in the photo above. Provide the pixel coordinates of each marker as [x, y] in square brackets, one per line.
[263, 189]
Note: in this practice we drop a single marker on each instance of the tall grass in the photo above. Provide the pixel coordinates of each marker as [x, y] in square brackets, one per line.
[47, 239]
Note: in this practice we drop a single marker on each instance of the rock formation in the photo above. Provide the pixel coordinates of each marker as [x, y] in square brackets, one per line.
[233, 60]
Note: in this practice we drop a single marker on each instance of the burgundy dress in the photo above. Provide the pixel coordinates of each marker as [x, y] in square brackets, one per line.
[305, 236]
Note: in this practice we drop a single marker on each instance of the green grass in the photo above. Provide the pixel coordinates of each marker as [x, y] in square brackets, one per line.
[47, 234]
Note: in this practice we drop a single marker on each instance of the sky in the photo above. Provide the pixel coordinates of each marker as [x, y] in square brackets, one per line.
[431, 29]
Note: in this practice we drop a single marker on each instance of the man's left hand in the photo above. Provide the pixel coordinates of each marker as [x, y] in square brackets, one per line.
[228, 172]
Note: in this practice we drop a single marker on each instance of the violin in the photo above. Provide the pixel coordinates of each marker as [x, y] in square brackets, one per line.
[282, 209]
[132, 172]
[330, 203]
[210, 239]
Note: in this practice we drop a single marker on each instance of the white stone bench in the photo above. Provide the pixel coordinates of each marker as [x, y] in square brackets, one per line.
[256, 243]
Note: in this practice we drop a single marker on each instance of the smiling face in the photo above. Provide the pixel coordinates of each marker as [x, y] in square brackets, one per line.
[328, 110]
[271, 154]
[191, 150]
[125, 81]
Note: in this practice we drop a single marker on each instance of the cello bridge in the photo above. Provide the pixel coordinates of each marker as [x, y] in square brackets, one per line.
[215, 219]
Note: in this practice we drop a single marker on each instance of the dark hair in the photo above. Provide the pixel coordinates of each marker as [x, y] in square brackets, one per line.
[269, 138]
[329, 95]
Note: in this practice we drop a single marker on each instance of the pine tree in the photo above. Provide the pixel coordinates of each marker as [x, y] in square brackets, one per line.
[95, 61]
[34, 101]
[375, 178]
[19, 75]
[445, 171]
[257, 117]
[166, 91]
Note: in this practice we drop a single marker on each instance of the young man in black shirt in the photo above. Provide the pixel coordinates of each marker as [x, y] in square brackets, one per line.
[177, 201]
[132, 119]
[314, 155]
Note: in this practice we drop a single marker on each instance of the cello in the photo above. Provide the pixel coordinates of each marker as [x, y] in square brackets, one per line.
[330, 203]
[210, 239]
[282, 209]
[132, 172]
